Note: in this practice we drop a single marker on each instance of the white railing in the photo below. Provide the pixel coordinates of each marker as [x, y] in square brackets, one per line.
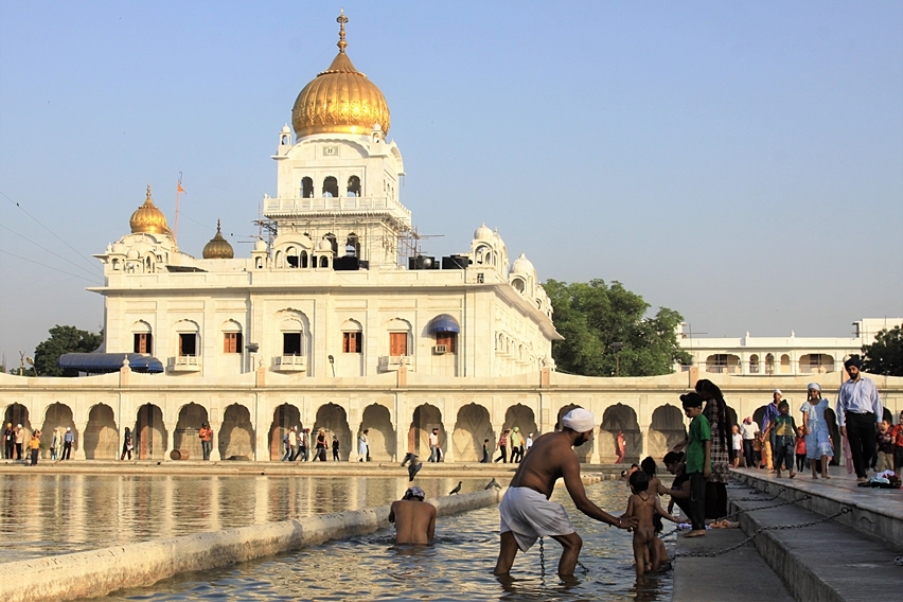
[290, 363]
[184, 363]
[391, 363]
[340, 203]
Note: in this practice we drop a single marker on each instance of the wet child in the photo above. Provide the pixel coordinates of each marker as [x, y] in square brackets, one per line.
[644, 505]
[658, 550]
[699, 460]
[800, 449]
[784, 440]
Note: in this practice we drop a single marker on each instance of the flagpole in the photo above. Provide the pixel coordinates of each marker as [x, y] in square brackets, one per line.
[178, 194]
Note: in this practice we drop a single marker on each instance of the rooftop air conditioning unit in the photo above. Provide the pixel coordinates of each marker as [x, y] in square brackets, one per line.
[440, 349]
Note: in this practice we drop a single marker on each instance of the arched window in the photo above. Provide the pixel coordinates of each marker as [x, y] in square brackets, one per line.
[189, 338]
[232, 339]
[330, 187]
[354, 186]
[518, 285]
[332, 241]
[291, 337]
[352, 337]
[769, 364]
[399, 335]
[352, 246]
[307, 188]
[754, 364]
[324, 261]
[445, 328]
[291, 257]
[785, 364]
[142, 338]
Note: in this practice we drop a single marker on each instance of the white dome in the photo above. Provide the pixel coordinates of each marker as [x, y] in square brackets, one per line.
[325, 245]
[483, 233]
[132, 254]
[260, 245]
[523, 266]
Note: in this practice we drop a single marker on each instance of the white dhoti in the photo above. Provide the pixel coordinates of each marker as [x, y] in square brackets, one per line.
[529, 515]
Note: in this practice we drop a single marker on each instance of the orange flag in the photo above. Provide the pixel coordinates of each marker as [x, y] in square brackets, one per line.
[180, 189]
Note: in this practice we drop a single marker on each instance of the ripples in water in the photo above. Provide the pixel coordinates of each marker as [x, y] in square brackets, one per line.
[457, 567]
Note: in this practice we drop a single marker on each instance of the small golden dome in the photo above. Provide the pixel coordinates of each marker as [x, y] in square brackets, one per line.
[147, 218]
[218, 247]
[340, 99]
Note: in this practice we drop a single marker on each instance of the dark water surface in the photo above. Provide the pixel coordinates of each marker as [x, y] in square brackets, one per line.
[457, 567]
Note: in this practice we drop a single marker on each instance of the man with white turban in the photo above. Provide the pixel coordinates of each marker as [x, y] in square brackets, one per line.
[527, 513]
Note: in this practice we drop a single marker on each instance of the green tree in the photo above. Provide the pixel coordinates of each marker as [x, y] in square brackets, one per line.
[63, 339]
[885, 355]
[594, 318]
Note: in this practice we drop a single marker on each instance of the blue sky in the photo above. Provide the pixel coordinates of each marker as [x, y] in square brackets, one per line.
[741, 163]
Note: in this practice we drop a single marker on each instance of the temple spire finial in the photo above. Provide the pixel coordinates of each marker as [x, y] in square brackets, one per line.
[341, 20]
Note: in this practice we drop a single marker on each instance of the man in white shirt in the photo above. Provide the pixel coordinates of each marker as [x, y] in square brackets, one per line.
[435, 451]
[859, 410]
[748, 430]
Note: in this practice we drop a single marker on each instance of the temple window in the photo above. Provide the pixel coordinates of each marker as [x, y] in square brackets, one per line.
[307, 188]
[330, 187]
[354, 186]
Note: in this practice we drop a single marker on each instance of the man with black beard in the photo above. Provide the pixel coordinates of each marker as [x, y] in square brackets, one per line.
[526, 511]
[859, 410]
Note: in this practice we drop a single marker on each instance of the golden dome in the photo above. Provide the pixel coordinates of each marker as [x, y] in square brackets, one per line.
[147, 218]
[340, 99]
[218, 247]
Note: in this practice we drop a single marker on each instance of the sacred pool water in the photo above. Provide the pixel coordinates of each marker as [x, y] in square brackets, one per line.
[57, 514]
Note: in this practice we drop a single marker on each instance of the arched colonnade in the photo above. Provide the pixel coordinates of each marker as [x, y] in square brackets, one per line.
[237, 436]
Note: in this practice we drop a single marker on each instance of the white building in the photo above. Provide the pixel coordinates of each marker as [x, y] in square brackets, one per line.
[338, 290]
[781, 355]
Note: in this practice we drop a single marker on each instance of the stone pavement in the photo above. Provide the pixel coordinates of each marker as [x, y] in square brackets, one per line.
[850, 556]
[811, 540]
[738, 576]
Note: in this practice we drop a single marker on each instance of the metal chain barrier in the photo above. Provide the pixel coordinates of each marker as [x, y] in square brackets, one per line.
[542, 561]
[844, 510]
[778, 505]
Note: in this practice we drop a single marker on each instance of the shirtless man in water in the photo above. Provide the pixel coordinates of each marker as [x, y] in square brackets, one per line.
[415, 520]
[526, 511]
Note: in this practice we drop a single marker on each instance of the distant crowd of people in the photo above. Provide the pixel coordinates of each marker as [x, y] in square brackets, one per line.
[868, 438]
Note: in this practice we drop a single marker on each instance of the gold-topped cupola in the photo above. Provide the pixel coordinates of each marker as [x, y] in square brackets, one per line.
[148, 218]
[340, 100]
[218, 247]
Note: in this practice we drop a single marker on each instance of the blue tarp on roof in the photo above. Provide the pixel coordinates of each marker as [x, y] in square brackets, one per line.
[97, 363]
[444, 323]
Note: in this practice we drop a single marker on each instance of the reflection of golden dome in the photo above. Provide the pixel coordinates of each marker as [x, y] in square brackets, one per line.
[147, 218]
[340, 99]
[218, 247]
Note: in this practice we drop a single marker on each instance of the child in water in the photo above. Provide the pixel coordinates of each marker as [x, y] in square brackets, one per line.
[644, 506]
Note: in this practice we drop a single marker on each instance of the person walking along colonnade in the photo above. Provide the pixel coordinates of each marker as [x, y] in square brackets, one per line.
[249, 414]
